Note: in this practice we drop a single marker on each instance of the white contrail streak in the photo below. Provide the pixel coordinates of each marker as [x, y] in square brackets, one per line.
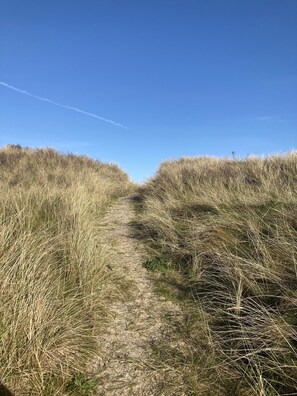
[61, 105]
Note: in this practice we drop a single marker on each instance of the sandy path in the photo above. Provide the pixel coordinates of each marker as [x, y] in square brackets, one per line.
[136, 322]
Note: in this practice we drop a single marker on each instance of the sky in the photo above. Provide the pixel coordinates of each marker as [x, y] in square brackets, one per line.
[141, 82]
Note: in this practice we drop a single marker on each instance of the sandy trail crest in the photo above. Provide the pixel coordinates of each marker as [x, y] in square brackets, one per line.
[137, 322]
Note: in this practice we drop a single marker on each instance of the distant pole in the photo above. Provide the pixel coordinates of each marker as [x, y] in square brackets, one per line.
[233, 154]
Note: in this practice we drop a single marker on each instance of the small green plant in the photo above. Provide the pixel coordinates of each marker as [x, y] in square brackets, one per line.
[156, 264]
[81, 386]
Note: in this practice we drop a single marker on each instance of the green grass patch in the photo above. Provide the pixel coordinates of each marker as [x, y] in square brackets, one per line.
[80, 385]
[156, 264]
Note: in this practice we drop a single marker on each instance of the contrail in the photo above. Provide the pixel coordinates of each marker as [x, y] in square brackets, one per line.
[61, 105]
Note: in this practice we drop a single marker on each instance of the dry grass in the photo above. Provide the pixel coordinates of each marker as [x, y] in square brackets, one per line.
[55, 288]
[225, 233]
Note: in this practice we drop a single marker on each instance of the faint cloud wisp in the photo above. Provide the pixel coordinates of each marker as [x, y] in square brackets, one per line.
[268, 118]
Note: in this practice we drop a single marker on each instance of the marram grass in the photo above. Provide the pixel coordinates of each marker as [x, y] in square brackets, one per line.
[226, 230]
[55, 290]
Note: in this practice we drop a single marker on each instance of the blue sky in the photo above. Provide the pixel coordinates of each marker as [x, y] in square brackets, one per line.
[186, 77]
